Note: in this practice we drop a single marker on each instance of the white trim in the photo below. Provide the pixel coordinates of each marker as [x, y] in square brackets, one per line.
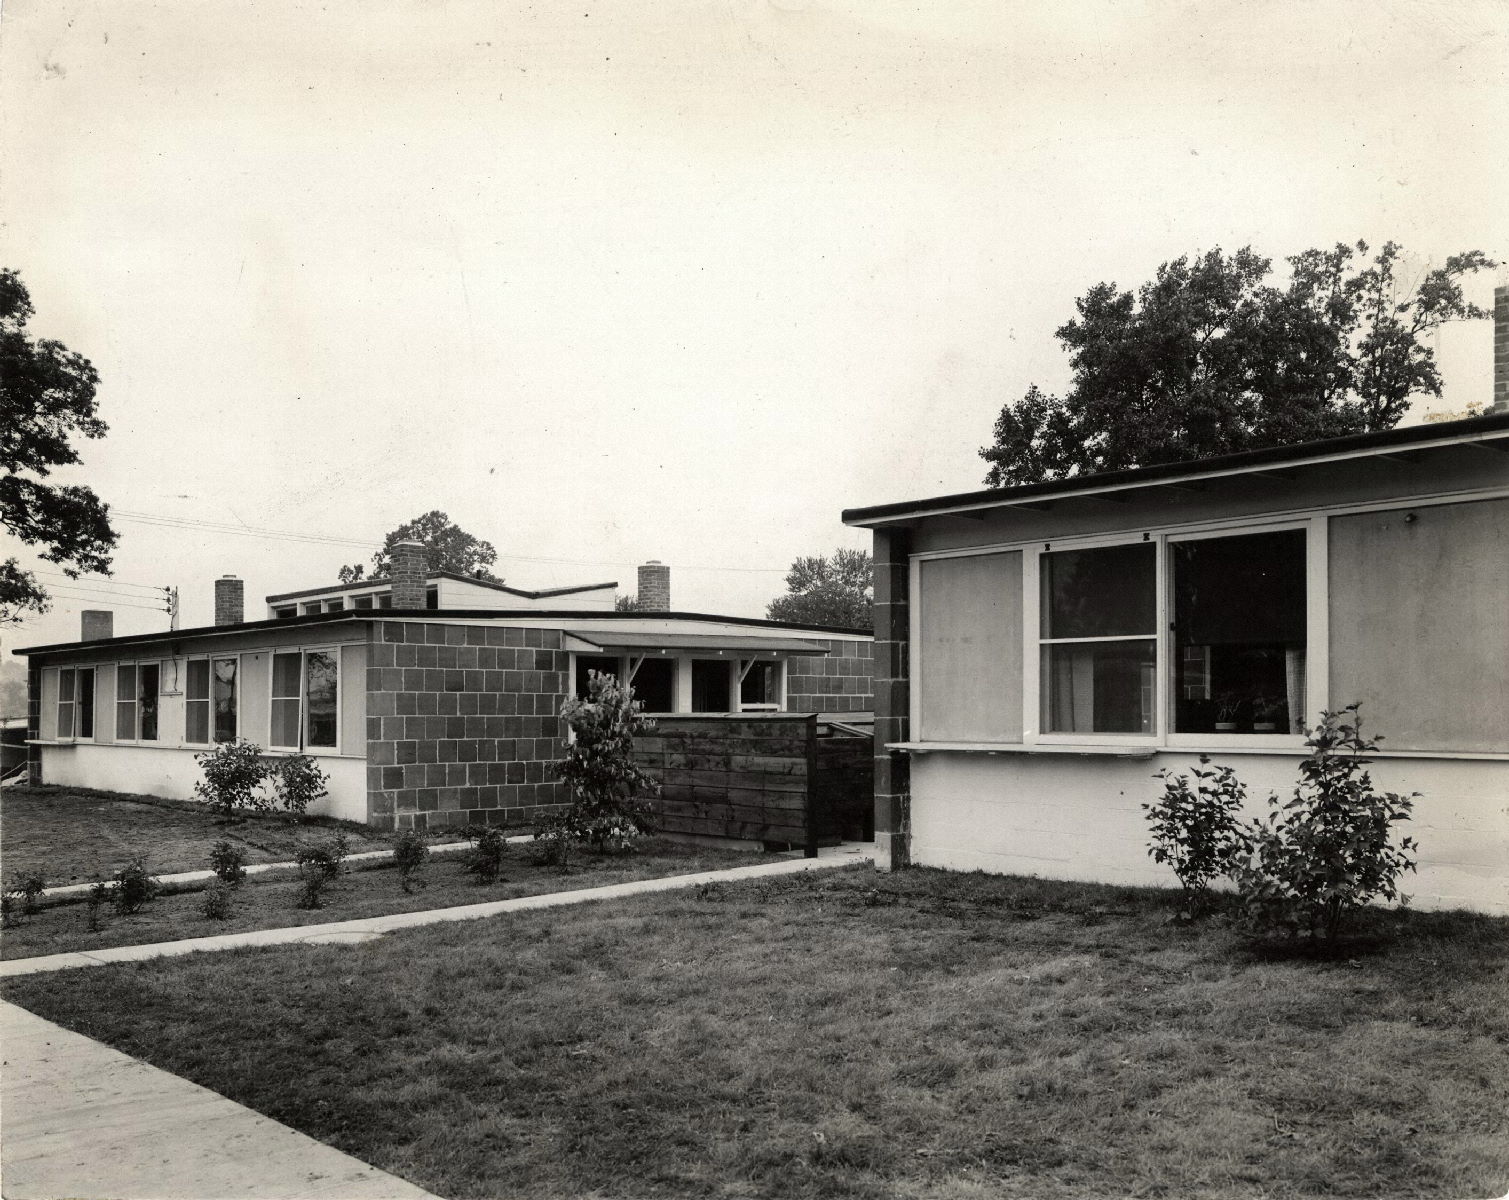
[211, 658]
[1317, 619]
[1134, 751]
[333, 650]
[137, 664]
[1216, 524]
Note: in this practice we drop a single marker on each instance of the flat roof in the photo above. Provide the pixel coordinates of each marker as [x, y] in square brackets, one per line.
[563, 619]
[634, 640]
[384, 581]
[1412, 439]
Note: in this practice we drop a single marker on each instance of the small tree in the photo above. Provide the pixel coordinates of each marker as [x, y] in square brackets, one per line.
[298, 782]
[1319, 857]
[233, 771]
[410, 853]
[607, 786]
[1195, 828]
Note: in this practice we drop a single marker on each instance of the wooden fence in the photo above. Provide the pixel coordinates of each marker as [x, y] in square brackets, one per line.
[764, 777]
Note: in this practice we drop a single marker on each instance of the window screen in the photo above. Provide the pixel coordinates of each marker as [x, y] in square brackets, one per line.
[126, 703]
[286, 682]
[196, 702]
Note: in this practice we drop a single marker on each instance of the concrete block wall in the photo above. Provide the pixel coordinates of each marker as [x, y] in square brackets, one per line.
[463, 724]
[839, 681]
[893, 787]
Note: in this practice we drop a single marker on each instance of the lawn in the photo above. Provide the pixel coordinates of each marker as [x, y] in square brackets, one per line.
[73, 834]
[921, 1034]
[270, 900]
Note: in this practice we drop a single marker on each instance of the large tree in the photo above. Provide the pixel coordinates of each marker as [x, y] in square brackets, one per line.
[1211, 357]
[828, 591]
[447, 547]
[46, 399]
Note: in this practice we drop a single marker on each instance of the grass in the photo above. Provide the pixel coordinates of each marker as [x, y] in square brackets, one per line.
[846, 1034]
[270, 900]
[73, 834]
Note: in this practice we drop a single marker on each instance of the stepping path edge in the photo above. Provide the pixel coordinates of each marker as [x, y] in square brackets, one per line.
[848, 854]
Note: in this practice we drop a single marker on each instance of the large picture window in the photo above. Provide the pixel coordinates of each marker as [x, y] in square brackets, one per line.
[1239, 633]
[1099, 639]
[76, 702]
[136, 691]
[304, 710]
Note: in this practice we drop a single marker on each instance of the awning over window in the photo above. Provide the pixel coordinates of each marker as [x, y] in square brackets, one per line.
[648, 643]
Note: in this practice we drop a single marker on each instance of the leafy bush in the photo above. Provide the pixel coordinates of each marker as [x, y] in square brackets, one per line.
[410, 853]
[325, 859]
[1195, 828]
[298, 782]
[215, 903]
[313, 882]
[7, 909]
[607, 786]
[233, 772]
[485, 859]
[27, 886]
[1319, 857]
[228, 861]
[100, 894]
[133, 886]
[553, 839]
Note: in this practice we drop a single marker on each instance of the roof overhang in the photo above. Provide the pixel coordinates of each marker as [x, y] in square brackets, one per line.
[1414, 444]
[634, 642]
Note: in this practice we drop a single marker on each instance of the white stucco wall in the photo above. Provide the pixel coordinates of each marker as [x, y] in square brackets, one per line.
[172, 774]
[1080, 817]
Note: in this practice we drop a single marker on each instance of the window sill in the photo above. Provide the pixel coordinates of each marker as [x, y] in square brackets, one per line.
[1296, 750]
[1021, 748]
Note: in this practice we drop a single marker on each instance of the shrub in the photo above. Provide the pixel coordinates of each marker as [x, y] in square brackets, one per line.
[228, 861]
[410, 853]
[325, 859]
[606, 785]
[314, 881]
[134, 887]
[27, 886]
[100, 894]
[233, 771]
[1319, 857]
[485, 859]
[1195, 828]
[298, 782]
[552, 842]
[7, 909]
[215, 904]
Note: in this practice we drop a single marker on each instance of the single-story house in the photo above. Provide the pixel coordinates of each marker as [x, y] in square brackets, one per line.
[428, 699]
[1042, 650]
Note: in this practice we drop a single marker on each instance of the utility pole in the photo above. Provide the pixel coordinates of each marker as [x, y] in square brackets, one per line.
[172, 593]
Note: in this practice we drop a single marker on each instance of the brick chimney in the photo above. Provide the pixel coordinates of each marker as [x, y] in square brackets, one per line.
[95, 624]
[1500, 351]
[230, 600]
[409, 574]
[654, 587]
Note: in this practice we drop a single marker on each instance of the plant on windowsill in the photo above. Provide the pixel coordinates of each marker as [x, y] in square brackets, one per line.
[1228, 704]
[1266, 712]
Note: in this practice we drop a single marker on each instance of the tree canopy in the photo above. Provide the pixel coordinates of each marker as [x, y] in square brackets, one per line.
[447, 547]
[834, 591]
[46, 400]
[1210, 358]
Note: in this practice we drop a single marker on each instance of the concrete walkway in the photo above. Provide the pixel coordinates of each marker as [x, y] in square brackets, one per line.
[367, 928]
[83, 1120]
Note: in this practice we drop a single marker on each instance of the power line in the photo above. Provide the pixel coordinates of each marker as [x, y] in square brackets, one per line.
[331, 540]
[100, 583]
[86, 600]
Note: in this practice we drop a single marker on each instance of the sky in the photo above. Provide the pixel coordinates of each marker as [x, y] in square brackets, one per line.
[661, 280]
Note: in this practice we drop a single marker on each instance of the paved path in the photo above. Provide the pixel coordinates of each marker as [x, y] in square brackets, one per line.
[83, 1120]
[367, 928]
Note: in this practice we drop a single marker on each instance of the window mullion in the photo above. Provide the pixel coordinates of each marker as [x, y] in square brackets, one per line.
[1162, 663]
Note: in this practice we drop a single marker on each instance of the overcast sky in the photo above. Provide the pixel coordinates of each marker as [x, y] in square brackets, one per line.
[663, 280]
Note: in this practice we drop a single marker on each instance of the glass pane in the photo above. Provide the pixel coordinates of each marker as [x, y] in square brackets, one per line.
[85, 715]
[362, 602]
[196, 721]
[148, 686]
[65, 718]
[65, 685]
[285, 675]
[602, 663]
[285, 724]
[1239, 633]
[125, 720]
[335, 606]
[197, 684]
[654, 685]
[320, 699]
[1100, 687]
[385, 600]
[125, 683]
[759, 685]
[710, 685]
[225, 699]
[1106, 592]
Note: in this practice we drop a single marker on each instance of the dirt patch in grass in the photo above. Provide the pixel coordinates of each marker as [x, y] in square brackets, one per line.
[270, 900]
[848, 1034]
[74, 834]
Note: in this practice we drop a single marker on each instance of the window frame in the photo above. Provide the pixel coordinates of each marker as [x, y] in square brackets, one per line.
[209, 698]
[1163, 735]
[681, 679]
[334, 651]
[75, 707]
[136, 666]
